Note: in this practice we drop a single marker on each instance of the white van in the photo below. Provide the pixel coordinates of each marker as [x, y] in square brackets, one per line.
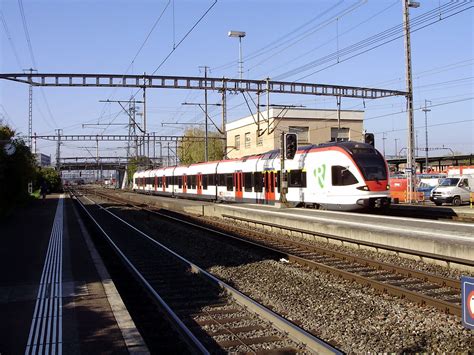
[455, 189]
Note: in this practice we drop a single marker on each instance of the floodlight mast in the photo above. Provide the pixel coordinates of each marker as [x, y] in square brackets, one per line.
[240, 35]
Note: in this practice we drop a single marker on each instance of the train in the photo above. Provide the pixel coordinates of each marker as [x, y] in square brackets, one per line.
[344, 176]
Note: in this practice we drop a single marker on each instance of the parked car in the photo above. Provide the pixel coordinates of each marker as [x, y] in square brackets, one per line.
[455, 189]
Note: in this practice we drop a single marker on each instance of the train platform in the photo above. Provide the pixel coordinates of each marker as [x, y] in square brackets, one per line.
[55, 294]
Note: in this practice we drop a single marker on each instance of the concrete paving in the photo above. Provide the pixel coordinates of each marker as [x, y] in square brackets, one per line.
[54, 294]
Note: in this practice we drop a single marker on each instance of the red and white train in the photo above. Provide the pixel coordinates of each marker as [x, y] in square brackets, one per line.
[338, 176]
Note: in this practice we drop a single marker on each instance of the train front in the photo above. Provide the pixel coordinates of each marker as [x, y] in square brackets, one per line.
[373, 168]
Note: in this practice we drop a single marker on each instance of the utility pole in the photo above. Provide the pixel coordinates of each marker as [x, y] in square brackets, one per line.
[411, 167]
[426, 110]
[268, 106]
[58, 150]
[383, 143]
[30, 110]
[396, 147]
[144, 114]
[30, 121]
[224, 120]
[206, 144]
[97, 156]
[338, 100]
[283, 180]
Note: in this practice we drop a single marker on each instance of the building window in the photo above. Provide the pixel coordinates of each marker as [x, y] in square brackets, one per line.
[247, 140]
[259, 140]
[339, 134]
[237, 142]
[301, 132]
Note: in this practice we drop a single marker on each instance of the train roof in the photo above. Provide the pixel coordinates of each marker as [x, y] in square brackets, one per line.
[347, 145]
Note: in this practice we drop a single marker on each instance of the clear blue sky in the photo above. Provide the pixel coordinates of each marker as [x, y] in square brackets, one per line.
[282, 36]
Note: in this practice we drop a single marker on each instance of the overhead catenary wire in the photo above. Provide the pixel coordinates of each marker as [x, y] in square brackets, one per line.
[335, 19]
[155, 24]
[33, 60]
[312, 50]
[281, 41]
[174, 48]
[389, 35]
[10, 41]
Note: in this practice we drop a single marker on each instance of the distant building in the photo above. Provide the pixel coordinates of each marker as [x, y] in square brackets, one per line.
[43, 160]
[313, 126]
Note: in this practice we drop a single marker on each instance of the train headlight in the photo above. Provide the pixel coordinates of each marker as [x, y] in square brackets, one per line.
[388, 187]
[363, 188]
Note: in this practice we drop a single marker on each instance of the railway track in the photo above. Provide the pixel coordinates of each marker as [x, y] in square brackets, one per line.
[210, 316]
[416, 286]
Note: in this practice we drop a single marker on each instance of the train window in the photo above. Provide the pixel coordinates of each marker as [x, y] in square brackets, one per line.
[212, 179]
[341, 176]
[258, 181]
[204, 181]
[180, 181]
[229, 182]
[222, 179]
[297, 178]
[277, 181]
[248, 183]
[192, 181]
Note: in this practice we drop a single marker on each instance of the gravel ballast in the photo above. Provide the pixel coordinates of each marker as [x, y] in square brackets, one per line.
[350, 316]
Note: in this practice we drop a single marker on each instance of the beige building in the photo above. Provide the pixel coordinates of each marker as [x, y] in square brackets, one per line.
[312, 126]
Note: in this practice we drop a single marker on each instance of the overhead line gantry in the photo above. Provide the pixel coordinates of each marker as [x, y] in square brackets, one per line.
[198, 83]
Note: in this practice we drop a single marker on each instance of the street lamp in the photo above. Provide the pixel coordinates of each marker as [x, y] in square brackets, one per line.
[238, 34]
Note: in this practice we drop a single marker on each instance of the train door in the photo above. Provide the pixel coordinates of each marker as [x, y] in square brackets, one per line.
[185, 182]
[163, 182]
[156, 183]
[269, 182]
[199, 184]
[238, 185]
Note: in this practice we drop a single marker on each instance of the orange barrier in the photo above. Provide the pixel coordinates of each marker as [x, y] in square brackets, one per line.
[401, 196]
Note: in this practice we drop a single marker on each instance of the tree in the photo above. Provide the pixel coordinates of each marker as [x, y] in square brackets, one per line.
[138, 163]
[50, 176]
[190, 151]
[16, 170]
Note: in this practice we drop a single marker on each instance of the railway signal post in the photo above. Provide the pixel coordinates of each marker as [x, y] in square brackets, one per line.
[289, 146]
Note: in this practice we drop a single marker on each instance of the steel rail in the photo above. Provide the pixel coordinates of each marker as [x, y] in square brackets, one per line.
[378, 285]
[188, 336]
[442, 281]
[294, 332]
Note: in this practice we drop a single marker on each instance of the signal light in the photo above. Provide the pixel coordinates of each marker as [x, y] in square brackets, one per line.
[369, 139]
[291, 145]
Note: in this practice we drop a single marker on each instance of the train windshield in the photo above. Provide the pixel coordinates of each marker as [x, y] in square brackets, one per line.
[370, 162]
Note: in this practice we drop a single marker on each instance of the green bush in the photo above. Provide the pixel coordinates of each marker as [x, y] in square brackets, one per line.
[50, 176]
[16, 171]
